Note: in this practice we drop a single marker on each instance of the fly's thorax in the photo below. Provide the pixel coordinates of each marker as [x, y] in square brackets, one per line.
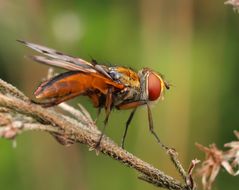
[152, 84]
[130, 80]
[125, 76]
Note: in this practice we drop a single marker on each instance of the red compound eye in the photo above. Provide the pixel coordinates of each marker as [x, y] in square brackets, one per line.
[154, 87]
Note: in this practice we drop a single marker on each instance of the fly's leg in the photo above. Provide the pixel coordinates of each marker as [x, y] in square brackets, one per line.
[127, 126]
[103, 130]
[98, 114]
[151, 128]
[108, 104]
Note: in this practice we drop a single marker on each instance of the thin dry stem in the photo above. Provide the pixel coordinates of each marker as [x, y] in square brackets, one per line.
[18, 114]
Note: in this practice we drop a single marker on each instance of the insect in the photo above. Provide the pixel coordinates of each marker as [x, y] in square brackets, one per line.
[107, 87]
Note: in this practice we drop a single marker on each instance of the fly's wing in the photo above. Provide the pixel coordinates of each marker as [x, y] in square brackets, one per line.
[56, 54]
[59, 59]
[61, 64]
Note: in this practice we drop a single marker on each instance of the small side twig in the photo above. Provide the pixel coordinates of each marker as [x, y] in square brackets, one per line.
[174, 157]
[186, 176]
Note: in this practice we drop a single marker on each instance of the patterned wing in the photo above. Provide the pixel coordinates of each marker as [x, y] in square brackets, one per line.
[61, 64]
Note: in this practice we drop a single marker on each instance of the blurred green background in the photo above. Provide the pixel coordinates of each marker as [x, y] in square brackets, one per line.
[195, 44]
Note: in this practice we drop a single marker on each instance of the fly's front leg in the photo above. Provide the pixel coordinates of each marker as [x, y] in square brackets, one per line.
[151, 128]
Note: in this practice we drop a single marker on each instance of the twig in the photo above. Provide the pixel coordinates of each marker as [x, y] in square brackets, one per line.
[186, 176]
[15, 107]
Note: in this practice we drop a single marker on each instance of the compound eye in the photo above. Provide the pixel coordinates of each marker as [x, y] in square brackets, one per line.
[154, 86]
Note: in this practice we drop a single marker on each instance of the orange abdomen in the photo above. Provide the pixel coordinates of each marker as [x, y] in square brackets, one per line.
[74, 83]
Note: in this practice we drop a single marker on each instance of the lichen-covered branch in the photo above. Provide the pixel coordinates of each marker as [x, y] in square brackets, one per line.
[19, 114]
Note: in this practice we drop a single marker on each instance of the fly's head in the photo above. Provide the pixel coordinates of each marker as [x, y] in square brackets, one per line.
[152, 85]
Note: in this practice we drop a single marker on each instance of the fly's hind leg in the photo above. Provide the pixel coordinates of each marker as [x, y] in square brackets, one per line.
[98, 114]
[103, 130]
[107, 114]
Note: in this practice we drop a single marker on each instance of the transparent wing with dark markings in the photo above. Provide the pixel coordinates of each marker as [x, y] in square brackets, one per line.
[61, 64]
[59, 59]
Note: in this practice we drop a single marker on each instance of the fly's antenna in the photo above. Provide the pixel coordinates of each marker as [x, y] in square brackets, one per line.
[167, 84]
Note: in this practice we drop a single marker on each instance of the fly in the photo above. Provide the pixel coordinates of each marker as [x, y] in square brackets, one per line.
[107, 87]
